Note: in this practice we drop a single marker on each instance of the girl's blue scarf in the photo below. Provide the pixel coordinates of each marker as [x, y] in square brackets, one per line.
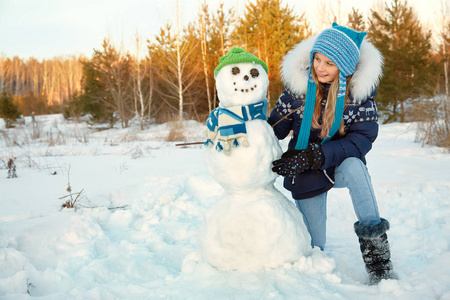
[305, 129]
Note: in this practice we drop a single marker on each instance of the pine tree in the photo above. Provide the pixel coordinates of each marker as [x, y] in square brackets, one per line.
[107, 83]
[356, 20]
[94, 99]
[408, 70]
[8, 110]
[269, 30]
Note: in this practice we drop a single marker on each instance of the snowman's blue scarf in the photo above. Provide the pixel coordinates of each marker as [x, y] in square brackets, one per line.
[229, 122]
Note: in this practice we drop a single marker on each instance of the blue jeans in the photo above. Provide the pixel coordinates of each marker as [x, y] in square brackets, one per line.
[352, 174]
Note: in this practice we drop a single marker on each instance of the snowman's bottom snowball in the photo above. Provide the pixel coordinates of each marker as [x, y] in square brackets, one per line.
[253, 231]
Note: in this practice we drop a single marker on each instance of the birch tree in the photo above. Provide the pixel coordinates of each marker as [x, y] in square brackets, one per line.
[204, 24]
[220, 31]
[3, 73]
[179, 69]
[445, 45]
[52, 81]
[176, 69]
[142, 96]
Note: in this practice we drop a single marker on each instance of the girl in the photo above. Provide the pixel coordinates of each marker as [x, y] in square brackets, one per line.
[330, 81]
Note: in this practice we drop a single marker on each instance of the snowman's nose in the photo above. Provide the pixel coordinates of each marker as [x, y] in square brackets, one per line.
[246, 77]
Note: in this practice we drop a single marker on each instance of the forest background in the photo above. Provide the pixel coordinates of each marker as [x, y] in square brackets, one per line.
[174, 79]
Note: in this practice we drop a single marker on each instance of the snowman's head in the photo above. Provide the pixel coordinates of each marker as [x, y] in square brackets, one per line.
[241, 78]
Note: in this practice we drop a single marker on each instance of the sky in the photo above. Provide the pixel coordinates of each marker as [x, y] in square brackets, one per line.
[47, 28]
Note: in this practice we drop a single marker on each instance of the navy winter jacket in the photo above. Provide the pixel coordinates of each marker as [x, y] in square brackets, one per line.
[360, 115]
[361, 130]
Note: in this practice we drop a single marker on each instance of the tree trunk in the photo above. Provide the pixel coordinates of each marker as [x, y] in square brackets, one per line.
[446, 104]
[150, 92]
[141, 112]
[204, 55]
[402, 111]
[180, 83]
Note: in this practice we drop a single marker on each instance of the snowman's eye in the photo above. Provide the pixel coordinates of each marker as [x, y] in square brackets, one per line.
[254, 73]
[235, 71]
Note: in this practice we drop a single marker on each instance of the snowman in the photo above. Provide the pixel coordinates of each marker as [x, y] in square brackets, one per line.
[252, 226]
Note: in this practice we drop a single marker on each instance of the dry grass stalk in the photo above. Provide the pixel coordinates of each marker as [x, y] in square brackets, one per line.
[175, 132]
[71, 202]
[11, 168]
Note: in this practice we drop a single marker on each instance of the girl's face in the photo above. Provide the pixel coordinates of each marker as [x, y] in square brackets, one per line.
[325, 68]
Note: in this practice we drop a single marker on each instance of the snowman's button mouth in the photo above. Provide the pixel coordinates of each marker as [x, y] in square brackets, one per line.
[245, 90]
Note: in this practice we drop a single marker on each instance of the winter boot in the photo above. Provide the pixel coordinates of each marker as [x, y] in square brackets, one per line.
[375, 251]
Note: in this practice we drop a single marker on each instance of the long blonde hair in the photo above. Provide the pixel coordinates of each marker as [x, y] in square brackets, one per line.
[330, 106]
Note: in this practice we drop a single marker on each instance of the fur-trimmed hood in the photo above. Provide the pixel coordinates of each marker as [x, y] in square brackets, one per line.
[294, 69]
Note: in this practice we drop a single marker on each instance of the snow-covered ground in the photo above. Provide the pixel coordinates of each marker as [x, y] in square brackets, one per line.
[134, 232]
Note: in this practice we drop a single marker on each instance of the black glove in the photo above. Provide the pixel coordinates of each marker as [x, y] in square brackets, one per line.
[294, 162]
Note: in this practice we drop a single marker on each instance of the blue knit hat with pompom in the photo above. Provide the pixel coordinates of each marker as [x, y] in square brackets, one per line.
[341, 45]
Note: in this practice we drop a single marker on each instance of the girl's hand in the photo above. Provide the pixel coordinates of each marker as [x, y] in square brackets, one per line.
[294, 162]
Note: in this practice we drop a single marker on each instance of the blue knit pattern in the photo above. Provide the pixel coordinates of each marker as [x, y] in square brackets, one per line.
[341, 45]
[247, 113]
[342, 48]
[303, 135]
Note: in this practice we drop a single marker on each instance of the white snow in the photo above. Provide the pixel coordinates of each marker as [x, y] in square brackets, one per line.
[135, 232]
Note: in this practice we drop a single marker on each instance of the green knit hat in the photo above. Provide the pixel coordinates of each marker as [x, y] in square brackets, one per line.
[238, 55]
